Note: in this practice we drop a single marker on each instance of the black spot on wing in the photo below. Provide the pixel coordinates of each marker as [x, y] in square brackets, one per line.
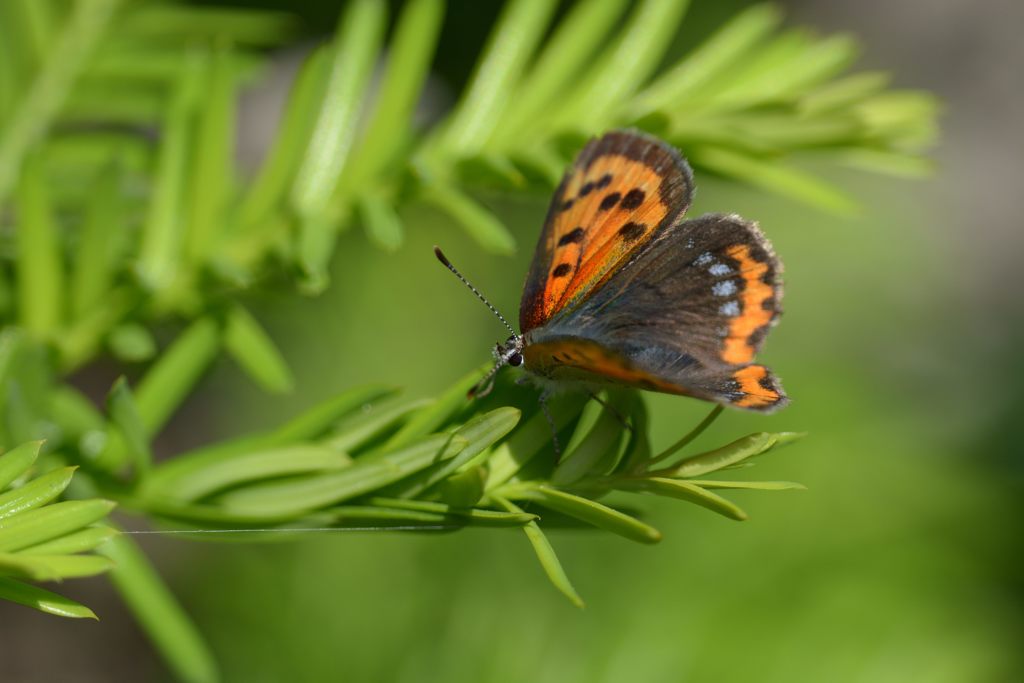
[587, 188]
[573, 236]
[604, 182]
[609, 201]
[567, 204]
[561, 270]
[756, 337]
[631, 231]
[633, 199]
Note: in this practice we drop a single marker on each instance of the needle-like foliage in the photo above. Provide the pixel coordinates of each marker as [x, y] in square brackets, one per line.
[123, 206]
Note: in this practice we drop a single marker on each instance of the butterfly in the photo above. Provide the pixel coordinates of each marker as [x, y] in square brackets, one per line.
[623, 291]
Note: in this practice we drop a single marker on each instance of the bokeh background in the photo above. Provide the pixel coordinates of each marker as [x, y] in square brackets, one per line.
[900, 347]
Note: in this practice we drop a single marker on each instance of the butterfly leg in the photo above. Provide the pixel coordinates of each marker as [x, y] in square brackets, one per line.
[543, 400]
[611, 409]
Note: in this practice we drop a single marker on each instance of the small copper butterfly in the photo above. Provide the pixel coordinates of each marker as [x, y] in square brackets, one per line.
[622, 290]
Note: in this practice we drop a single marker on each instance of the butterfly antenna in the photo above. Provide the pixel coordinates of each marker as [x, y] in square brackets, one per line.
[448, 264]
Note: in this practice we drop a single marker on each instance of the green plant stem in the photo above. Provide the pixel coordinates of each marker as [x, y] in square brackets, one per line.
[689, 437]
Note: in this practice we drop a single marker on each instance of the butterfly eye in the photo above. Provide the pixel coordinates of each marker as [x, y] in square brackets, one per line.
[515, 360]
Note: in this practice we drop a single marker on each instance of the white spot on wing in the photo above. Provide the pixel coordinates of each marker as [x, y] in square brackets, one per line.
[704, 259]
[730, 309]
[719, 269]
[724, 288]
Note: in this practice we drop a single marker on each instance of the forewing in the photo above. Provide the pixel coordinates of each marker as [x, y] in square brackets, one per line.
[622, 191]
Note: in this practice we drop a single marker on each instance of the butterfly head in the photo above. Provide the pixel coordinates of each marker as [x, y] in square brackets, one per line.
[511, 352]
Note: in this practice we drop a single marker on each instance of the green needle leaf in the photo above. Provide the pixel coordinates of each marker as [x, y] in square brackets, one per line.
[161, 22]
[318, 419]
[39, 263]
[531, 438]
[278, 169]
[364, 475]
[247, 467]
[463, 488]
[131, 342]
[754, 485]
[35, 526]
[254, 350]
[638, 450]
[82, 31]
[407, 66]
[482, 225]
[480, 434]
[563, 57]
[620, 70]
[212, 157]
[432, 418]
[352, 59]
[356, 431]
[124, 413]
[474, 515]
[306, 427]
[16, 461]
[708, 61]
[383, 226]
[546, 554]
[43, 600]
[842, 93]
[589, 511]
[74, 413]
[36, 493]
[605, 436]
[510, 46]
[730, 454]
[164, 229]
[775, 176]
[169, 380]
[784, 67]
[684, 490]
[75, 542]
[52, 567]
[355, 51]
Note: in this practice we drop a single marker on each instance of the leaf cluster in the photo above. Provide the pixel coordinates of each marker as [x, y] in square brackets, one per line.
[122, 207]
[42, 539]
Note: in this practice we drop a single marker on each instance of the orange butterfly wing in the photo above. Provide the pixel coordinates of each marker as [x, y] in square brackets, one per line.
[622, 190]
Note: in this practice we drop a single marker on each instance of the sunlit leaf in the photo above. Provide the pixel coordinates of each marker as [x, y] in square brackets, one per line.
[364, 475]
[685, 490]
[256, 352]
[546, 555]
[49, 522]
[589, 511]
[43, 600]
[16, 461]
[35, 493]
[124, 413]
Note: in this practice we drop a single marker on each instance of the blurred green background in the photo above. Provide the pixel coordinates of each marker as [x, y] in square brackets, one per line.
[902, 559]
